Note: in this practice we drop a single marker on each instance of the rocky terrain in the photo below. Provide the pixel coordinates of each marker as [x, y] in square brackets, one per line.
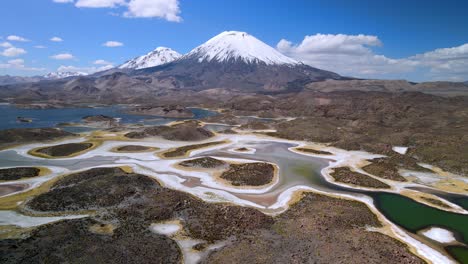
[100, 121]
[17, 173]
[9, 137]
[249, 174]
[184, 150]
[313, 151]
[63, 150]
[134, 148]
[205, 163]
[174, 111]
[432, 127]
[186, 131]
[317, 229]
[345, 175]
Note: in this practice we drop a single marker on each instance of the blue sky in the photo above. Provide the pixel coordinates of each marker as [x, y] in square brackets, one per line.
[415, 40]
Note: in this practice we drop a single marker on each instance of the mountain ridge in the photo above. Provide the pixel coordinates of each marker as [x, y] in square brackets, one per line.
[156, 57]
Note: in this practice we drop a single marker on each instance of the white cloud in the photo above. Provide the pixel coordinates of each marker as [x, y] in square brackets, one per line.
[56, 39]
[101, 62]
[13, 52]
[6, 45]
[63, 56]
[99, 3]
[40, 47]
[445, 63]
[353, 55]
[18, 64]
[334, 44]
[17, 38]
[166, 9]
[113, 44]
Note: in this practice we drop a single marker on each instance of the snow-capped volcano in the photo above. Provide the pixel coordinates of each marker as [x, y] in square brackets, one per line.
[159, 56]
[238, 46]
[60, 75]
[235, 60]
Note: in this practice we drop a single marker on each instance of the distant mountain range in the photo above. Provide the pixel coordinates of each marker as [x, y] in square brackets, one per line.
[7, 79]
[231, 62]
[61, 75]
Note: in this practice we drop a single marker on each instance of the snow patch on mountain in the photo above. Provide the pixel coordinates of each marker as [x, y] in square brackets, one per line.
[65, 74]
[238, 46]
[159, 56]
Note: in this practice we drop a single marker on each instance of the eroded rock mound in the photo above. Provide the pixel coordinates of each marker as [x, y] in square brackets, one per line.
[26, 135]
[174, 111]
[101, 121]
[133, 148]
[92, 189]
[345, 175]
[249, 174]
[71, 241]
[205, 162]
[187, 131]
[64, 150]
[17, 173]
[317, 229]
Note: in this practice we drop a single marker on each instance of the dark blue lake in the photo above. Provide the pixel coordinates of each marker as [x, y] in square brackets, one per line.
[52, 117]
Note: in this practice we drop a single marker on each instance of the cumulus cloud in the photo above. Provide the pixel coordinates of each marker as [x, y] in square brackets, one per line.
[99, 3]
[112, 44]
[13, 52]
[6, 45]
[353, 55]
[63, 56]
[164, 9]
[56, 39]
[102, 62]
[334, 44]
[445, 63]
[17, 38]
[18, 64]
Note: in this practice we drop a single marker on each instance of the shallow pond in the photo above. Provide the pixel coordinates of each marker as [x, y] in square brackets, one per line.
[295, 169]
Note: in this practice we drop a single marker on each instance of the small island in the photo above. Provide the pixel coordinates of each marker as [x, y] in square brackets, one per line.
[185, 131]
[100, 121]
[205, 163]
[134, 148]
[314, 151]
[22, 119]
[345, 175]
[12, 174]
[63, 150]
[249, 174]
[172, 111]
[185, 150]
